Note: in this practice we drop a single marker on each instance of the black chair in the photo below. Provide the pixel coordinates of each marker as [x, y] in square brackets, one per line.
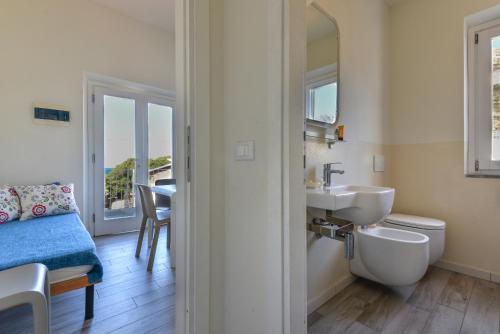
[163, 201]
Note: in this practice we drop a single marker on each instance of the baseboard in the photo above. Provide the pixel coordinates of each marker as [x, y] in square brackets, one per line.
[470, 271]
[328, 293]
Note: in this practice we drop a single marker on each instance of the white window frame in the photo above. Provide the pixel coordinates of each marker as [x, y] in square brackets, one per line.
[318, 78]
[478, 140]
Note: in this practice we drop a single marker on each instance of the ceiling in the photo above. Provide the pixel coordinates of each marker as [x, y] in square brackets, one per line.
[159, 13]
[318, 25]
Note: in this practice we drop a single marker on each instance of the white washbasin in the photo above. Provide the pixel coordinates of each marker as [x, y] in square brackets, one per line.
[361, 205]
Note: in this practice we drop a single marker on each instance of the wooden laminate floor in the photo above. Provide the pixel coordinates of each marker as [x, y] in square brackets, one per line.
[129, 300]
[443, 302]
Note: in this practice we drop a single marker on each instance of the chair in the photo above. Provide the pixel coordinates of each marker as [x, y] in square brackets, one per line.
[158, 217]
[163, 201]
[28, 284]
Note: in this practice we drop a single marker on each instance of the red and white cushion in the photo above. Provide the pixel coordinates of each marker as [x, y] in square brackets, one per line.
[10, 208]
[46, 200]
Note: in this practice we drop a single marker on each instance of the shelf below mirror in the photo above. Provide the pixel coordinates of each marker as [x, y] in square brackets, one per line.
[328, 139]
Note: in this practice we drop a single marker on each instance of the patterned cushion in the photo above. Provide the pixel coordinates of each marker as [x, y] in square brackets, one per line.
[46, 200]
[10, 208]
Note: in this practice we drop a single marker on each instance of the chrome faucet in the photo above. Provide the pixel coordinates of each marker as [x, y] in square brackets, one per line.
[328, 171]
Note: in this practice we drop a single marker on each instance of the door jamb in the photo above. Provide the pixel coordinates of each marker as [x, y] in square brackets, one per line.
[193, 110]
[294, 190]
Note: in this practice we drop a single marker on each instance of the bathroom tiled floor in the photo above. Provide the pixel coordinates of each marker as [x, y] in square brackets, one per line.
[443, 302]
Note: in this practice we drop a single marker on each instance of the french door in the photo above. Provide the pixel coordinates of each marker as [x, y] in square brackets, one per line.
[133, 144]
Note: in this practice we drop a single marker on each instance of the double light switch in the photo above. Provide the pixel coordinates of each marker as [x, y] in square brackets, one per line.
[245, 150]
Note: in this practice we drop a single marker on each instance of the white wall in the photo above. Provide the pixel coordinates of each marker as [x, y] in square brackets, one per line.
[427, 117]
[46, 48]
[246, 265]
[364, 96]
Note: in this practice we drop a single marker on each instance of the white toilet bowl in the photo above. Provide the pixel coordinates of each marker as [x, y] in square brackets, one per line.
[433, 228]
[390, 256]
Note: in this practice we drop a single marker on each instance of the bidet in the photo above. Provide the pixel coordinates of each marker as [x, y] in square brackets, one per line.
[385, 255]
[389, 256]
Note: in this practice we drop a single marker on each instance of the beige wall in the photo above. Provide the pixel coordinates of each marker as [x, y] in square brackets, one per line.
[322, 52]
[46, 47]
[427, 130]
[364, 67]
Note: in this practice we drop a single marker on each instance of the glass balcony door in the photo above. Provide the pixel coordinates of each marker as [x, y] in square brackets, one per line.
[133, 145]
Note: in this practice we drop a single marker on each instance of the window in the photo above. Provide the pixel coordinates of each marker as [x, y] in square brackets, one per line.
[321, 95]
[323, 103]
[483, 107]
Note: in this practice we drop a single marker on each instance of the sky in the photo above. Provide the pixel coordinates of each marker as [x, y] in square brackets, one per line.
[119, 130]
[495, 42]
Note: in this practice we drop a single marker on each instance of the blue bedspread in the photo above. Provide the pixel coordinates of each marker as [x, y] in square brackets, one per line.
[56, 241]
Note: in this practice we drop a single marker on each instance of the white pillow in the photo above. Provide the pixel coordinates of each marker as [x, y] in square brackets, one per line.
[10, 208]
[46, 200]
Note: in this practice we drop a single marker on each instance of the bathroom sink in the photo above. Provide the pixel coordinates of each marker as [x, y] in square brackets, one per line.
[338, 197]
[361, 205]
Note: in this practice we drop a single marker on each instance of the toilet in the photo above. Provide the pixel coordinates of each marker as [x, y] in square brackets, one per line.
[389, 256]
[433, 228]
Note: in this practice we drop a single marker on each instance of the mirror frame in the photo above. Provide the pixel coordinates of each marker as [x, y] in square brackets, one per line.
[310, 121]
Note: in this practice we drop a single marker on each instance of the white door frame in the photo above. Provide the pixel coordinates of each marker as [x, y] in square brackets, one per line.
[193, 110]
[100, 224]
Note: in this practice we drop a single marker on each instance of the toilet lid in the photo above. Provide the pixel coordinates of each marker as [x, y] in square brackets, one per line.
[415, 221]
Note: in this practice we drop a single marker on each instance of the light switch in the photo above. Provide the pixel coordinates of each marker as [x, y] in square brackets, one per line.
[245, 150]
[378, 163]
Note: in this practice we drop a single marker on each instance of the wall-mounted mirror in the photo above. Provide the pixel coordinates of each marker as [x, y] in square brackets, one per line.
[322, 68]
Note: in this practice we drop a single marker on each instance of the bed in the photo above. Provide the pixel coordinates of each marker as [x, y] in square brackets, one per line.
[61, 243]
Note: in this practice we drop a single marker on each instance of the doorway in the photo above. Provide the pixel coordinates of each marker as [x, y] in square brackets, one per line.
[133, 144]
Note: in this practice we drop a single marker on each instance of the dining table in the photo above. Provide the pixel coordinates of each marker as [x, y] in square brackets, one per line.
[168, 190]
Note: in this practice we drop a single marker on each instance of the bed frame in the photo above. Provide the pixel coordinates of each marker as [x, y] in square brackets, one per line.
[74, 284]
